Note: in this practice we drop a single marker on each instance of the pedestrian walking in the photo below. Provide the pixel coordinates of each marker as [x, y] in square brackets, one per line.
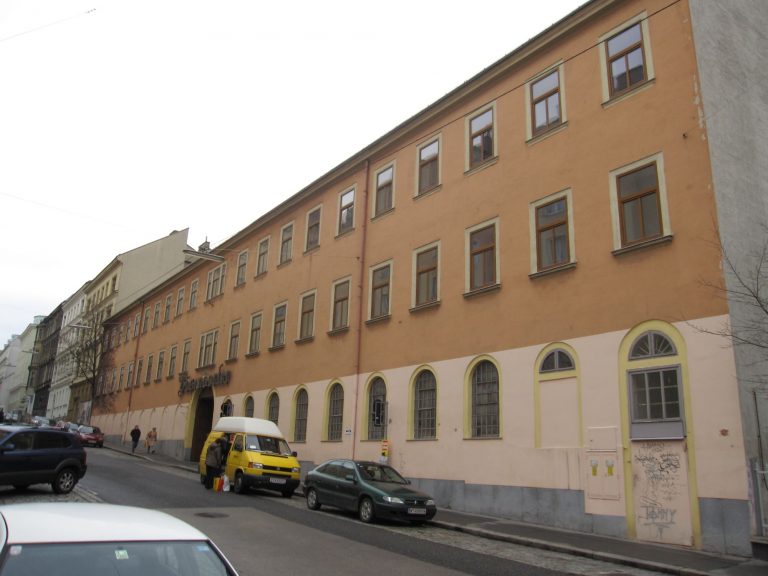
[151, 440]
[213, 462]
[135, 436]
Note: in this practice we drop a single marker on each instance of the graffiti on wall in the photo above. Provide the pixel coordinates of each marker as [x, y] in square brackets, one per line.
[661, 492]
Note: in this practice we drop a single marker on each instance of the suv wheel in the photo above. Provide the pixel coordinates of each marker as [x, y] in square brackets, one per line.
[65, 481]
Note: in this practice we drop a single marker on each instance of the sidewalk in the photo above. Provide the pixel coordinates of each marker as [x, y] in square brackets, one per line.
[666, 559]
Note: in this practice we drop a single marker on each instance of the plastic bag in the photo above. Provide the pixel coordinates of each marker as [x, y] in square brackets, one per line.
[225, 483]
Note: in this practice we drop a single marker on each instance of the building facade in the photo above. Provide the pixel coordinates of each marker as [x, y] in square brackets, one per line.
[16, 357]
[515, 289]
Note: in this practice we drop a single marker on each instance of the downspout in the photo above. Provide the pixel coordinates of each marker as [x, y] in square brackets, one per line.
[360, 307]
[135, 374]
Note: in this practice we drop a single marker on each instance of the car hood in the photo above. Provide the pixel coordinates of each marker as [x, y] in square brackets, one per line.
[399, 490]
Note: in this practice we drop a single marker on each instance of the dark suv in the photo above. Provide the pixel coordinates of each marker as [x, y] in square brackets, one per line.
[40, 455]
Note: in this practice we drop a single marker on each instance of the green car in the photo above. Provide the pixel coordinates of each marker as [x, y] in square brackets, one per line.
[372, 490]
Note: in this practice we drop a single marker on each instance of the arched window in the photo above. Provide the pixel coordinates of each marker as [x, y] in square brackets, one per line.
[226, 408]
[655, 392]
[274, 407]
[377, 410]
[302, 408]
[335, 412]
[556, 361]
[485, 400]
[249, 407]
[425, 406]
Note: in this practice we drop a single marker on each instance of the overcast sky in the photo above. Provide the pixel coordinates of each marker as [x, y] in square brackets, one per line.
[122, 120]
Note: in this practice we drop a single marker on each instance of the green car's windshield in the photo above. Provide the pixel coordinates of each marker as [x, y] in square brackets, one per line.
[380, 473]
[256, 443]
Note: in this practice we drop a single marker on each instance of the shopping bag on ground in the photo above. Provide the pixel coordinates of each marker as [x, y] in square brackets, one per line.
[225, 483]
[218, 484]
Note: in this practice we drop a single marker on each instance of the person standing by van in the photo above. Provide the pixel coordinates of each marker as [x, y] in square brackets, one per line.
[213, 458]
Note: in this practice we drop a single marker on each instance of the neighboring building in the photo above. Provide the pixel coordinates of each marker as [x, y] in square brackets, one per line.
[64, 367]
[520, 277]
[9, 357]
[14, 372]
[120, 282]
[43, 360]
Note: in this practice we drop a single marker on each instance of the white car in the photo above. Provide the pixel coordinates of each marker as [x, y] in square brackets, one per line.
[84, 539]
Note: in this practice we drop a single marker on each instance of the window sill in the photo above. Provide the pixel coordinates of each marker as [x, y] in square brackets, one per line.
[629, 92]
[432, 439]
[344, 233]
[435, 189]
[544, 134]
[332, 441]
[483, 290]
[170, 377]
[252, 355]
[276, 348]
[158, 380]
[206, 367]
[482, 166]
[230, 360]
[425, 306]
[260, 275]
[483, 438]
[382, 214]
[338, 331]
[384, 318]
[642, 245]
[284, 263]
[212, 299]
[552, 270]
[310, 250]
[305, 340]
[239, 285]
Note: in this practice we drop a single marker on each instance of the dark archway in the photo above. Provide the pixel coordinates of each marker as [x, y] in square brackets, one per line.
[203, 423]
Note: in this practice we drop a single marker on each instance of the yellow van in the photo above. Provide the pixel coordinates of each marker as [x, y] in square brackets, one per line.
[258, 455]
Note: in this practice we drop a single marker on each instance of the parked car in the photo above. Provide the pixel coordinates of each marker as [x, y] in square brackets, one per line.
[97, 539]
[40, 455]
[370, 489]
[91, 436]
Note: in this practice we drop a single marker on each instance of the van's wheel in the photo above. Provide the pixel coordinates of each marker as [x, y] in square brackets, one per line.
[312, 502]
[65, 481]
[239, 486]
[365, 511]
[287, 493]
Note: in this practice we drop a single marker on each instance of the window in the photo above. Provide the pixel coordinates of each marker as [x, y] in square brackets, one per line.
[145, 326]
[160, 365]
[340, 305]
[242, 265]
[335, 412]
[429, 167]
[426, 272]
[485, 401]
[129, 380]
[226, 408]
[273, 407]
[168, 306]
[193, 295]
[625, 58]
[262, 261]
[122, 378]
[481, 137]
[639, 208]
[156, 316]
[483, 259]
[313, 229]
[380, 279]
[302, 408]
[384, 190]
[215, 285]
[556, 361]
[652, 345]
[180, 302]
[172, 361]
[208, 343]
[552, 233]
[278, 329]
[148, 375]
[234, 340]
[255, 334]
[307, 320]
[136, 325]
[346, 211]
[545, 102]
[425, 406]
[185, 356]
[286, 243]
[249, 407]
[377, 410]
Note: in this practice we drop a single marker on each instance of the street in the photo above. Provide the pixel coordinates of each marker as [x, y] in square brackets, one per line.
[262, 532]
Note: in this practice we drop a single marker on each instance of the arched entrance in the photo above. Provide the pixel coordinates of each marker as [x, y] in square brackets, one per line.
[203, 422]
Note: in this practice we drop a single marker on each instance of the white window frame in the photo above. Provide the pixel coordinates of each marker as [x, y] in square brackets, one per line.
[251, 349]
[312, 293]
[242, 266]
[666, 227]
[319, 209]
[194, 293]
[281, 259]
[375, 188]
[232, 353]
[560, 68]
[180, 302]
[211, 291]
[468, 254]
[259, 271]
[274, 322]
[371, 270]
[347, 280]
[202, 357]
[642, 18]
[532, 207]
[414, 272]
[468, 167]
[428, 142]
[339, 231]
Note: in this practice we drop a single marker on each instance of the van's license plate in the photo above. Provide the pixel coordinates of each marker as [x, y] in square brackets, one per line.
[418, 511]
[282, 481]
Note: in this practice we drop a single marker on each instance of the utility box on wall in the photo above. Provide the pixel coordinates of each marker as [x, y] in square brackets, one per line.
[603, 464]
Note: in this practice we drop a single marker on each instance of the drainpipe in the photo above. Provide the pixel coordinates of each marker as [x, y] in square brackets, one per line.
[360, 307]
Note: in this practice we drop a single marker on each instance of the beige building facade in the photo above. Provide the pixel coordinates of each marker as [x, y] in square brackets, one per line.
[513, 288]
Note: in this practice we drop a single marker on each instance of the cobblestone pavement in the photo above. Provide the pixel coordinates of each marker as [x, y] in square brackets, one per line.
[43, 493]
